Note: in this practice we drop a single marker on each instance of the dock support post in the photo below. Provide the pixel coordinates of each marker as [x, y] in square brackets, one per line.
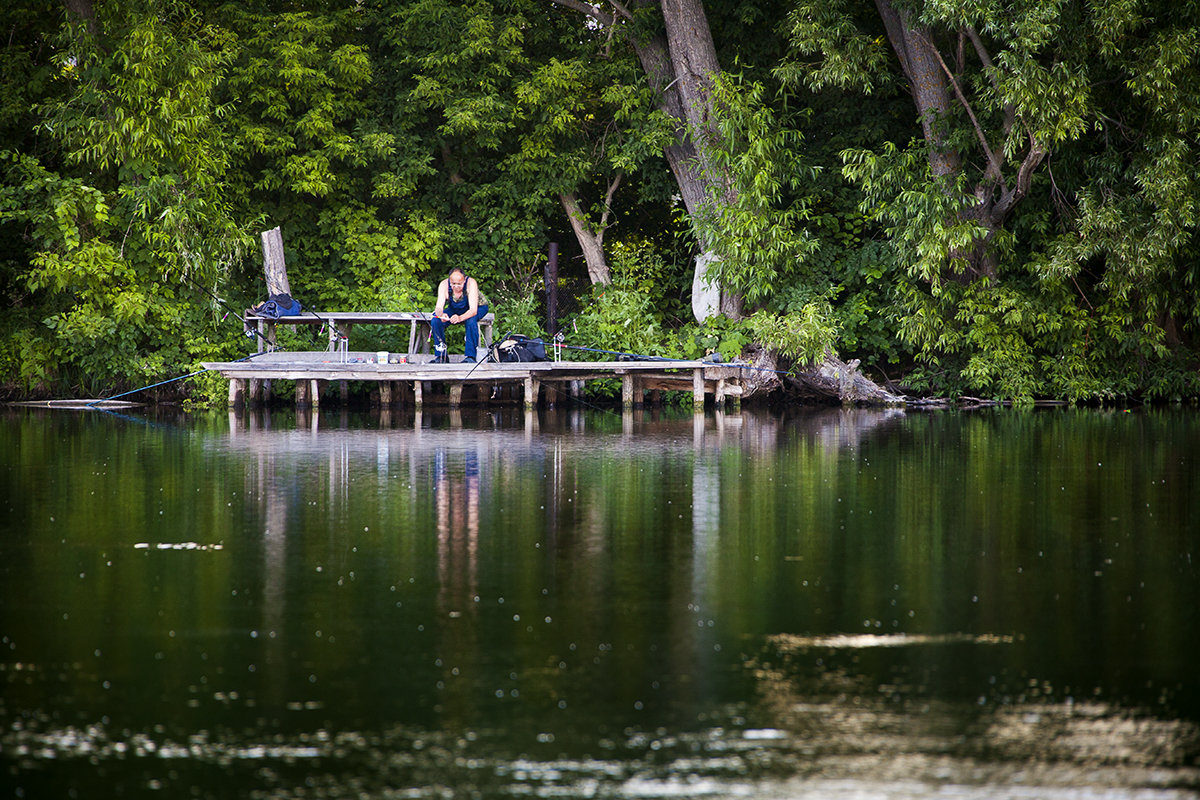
[308, 393]
[237, 392]
[532, 385]
[627, 391]
[456, 395]
[385, 394]
[254, 391]
[698, 390]
[418, 394]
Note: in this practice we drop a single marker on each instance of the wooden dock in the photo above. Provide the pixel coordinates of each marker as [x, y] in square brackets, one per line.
[250, 380]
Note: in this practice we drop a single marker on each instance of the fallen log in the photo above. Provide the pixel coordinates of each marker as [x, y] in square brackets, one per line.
[830, 381]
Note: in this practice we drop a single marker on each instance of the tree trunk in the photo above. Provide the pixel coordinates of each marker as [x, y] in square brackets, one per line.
[592, 244]
[934, 90]
[933, 98]
[681, 69]
[274, 266]
[927, 82]
[83, 11]
[834, 379]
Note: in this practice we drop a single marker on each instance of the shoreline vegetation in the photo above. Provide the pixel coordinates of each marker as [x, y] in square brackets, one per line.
[952, 204]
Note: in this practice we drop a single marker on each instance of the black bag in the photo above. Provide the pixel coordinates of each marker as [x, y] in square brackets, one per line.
[280, 305]
[518, 348]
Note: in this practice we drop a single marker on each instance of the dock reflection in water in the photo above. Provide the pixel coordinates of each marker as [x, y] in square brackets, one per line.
[836, 604]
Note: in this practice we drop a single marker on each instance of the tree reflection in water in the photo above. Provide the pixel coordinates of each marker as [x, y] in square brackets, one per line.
[832, 604]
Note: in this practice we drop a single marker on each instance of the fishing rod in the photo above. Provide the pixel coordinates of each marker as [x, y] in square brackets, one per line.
[98, 400]
[254, 331]
[229, 310]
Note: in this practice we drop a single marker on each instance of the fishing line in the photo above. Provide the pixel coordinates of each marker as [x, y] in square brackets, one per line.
[643, 357]
[230, 310]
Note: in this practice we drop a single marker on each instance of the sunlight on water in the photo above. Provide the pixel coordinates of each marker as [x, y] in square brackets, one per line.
[830, 605]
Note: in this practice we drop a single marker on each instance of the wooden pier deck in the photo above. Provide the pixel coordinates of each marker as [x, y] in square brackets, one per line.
[250, 380]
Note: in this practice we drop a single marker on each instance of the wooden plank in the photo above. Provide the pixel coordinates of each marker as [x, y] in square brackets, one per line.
[360, 317]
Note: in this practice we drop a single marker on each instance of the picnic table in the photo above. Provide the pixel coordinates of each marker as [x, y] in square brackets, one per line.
[339, 324]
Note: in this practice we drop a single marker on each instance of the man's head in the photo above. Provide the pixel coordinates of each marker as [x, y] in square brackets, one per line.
[458, 279]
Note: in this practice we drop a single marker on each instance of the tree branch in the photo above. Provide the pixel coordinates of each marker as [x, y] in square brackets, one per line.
[584, 8]
[985, 58]
[993, 170]
[621, 10]
[895, 30]
[1024, 179]
[608, 196]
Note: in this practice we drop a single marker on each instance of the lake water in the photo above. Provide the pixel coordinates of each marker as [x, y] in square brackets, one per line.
[571, 604]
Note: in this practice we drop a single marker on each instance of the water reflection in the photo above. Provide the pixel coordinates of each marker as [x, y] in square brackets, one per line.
[569, 604]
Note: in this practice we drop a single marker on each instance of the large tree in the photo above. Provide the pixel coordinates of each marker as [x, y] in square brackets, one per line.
[113, 196]
[675, 47]
[1051, 163]
[523, 113]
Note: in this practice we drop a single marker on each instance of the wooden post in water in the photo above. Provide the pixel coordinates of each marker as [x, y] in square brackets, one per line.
[698, 390]
[273, 262]
[275, 271]
[237, 393]
[552, 291]
[532, 385]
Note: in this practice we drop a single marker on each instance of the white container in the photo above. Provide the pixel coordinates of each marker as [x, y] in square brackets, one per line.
[381, 357]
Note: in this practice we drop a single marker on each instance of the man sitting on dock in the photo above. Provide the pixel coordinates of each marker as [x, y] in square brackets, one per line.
[458, 302]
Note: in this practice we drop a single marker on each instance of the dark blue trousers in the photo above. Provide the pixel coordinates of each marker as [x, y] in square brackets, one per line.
[472, 332]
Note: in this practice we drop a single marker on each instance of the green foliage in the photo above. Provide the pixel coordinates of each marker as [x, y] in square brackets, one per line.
[803, 335]
[757, 226]
[831, 49]
[128, 213]
[628, 315]
[1090, 271]
[142, 153]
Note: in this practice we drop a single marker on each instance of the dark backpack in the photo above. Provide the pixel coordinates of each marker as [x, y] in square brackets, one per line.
[280, 305]
[516, 348]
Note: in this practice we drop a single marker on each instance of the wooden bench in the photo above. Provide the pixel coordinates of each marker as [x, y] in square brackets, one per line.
[339, 324]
